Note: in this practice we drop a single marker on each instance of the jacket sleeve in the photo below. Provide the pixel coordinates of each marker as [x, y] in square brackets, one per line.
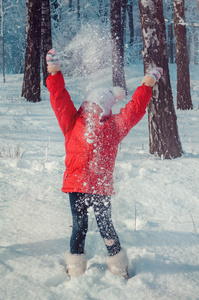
[60, 100]
[133, 112]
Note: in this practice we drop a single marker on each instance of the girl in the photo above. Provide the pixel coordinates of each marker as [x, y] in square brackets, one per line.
[92, 135]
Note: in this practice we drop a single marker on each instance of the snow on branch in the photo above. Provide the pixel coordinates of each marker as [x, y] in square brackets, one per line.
[147, 3]
[182, 22]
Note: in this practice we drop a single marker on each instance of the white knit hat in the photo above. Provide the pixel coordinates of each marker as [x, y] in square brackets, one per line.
[105, 98]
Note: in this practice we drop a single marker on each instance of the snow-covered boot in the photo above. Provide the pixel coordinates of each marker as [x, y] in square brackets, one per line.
[76, 264]
[118, 264]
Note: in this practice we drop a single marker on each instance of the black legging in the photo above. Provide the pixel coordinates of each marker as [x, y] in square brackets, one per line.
[79, 203]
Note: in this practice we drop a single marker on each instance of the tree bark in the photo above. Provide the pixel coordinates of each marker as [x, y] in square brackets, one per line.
[183, 78]
[117, 45]
[46, 37]
[131, 23]
[123, 22]
[163, 132]
[196, 47]
[31, 81]
[100, 9]
[2, 36]
[78, 12]
[171, 44]
[3, 48]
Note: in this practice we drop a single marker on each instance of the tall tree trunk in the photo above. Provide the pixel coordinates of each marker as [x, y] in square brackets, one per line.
[117, 45]
[100, 9]
[163, 131]
[196, 46]
[182, 60]
[46, 37]
[171, 44]
[123, 21]
[3, 53]
[78, 12]
[31, 81]
[2, 36]
[131, 23]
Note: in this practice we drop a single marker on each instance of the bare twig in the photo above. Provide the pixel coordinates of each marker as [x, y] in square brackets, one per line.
[135, 217]
[194, 226]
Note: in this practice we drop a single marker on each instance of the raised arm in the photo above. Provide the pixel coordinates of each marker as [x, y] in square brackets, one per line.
[135, 109]
[60, 99]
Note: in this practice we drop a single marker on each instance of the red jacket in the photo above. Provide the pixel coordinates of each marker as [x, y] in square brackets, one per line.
[90, 157]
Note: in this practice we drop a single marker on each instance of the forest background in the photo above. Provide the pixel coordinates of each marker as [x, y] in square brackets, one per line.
[77, 24]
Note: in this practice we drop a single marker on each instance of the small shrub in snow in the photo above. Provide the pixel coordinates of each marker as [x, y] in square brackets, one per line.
[12, 152]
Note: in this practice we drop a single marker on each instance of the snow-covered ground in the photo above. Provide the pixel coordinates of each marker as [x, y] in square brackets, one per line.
[155, 209]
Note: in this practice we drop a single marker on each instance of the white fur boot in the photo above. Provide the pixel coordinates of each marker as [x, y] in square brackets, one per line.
[118, 264]
[76, 264]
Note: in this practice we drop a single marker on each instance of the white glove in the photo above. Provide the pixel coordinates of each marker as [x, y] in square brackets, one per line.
[52, 62]
[152, 76]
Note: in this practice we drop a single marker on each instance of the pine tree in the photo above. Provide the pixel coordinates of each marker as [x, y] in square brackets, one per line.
[117, 45]
[31, 81]
[46, 37]
[2, 37]
[182, 60]
[38, 41]
[163, 132]
[131, 21]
